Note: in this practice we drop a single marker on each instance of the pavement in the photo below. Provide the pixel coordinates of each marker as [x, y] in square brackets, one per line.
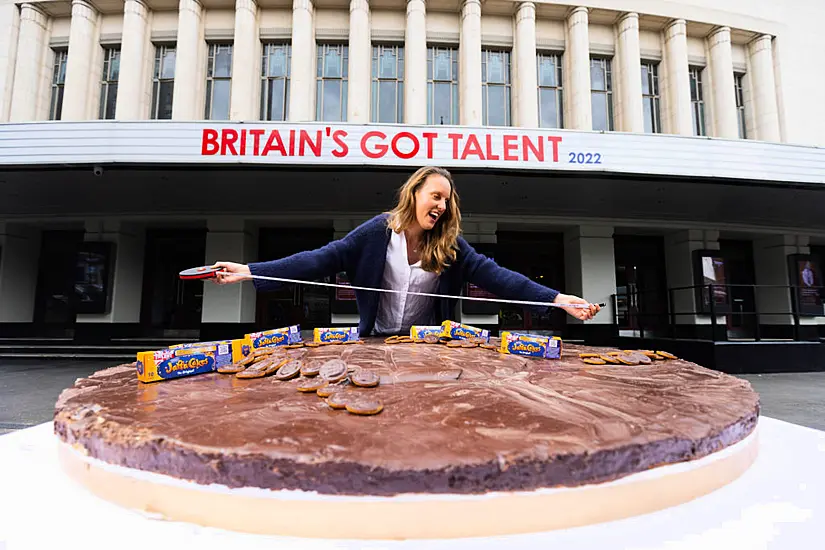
[29, 389]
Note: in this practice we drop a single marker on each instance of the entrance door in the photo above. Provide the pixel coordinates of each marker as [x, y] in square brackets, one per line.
[55, 279]
[305, 305]
[641, 284]
[740, 271]
[540, 257]
[168, 302]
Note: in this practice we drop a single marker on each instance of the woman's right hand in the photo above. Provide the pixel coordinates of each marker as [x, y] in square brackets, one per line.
[226, 276]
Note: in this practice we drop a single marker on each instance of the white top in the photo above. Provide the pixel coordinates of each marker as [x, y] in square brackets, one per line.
[398, 312]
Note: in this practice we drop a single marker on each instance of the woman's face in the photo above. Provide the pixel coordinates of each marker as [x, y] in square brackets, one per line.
[431, 200]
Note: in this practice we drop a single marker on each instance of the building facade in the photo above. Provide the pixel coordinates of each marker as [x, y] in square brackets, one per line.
[623, 150]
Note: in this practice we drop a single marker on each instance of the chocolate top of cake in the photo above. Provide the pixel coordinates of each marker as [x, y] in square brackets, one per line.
[455, 420]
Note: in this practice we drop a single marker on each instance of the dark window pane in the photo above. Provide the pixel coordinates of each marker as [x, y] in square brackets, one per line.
[648, 114]
[111, 101]
[548, 108]
[496, 106]
[387, 96]
[165, 92]
[220, 99]
[114, 65]
[599, 109]
[277, 110]
[223, 61]
[168, 69]
[441, 103]
[331, 101]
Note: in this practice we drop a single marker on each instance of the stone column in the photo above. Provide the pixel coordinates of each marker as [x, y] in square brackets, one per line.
[630, 63]
[579, 115]
[246, 63]
[29, 63]
[763, 83]
[360, 62]
[127, 281]
[528, 101]
[131, 81]
[229, 240]
[724, 93]
[188, 70]
[82, 40]
[19, 263]
[415, 63]
[469, 63]
[590, 272]
[678, 78]
[302, 71]
[10, 21]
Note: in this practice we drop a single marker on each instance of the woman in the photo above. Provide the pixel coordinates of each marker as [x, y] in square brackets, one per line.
[416, 247]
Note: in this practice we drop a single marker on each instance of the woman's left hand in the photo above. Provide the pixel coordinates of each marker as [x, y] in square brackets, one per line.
[583, 313]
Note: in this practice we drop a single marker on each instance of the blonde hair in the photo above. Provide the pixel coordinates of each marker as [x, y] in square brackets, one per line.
[439, 244]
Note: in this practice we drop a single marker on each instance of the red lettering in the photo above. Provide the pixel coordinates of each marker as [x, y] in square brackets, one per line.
[314, 146]
[243, 142]
[555, 140]
[338, 137]
[209, 142]
[228, 139]
[490, 154]
[256, 150]
[473, 147]
[538, 151]
[292, 143]
[429, 136]
[380, 149]
[415, 148]
[274, 143]
[510, 146]
[455, 138]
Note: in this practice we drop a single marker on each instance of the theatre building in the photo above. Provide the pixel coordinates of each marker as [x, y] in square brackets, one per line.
[666, 163]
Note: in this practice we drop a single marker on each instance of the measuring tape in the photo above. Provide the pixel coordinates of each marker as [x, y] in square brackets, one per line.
[210, 272]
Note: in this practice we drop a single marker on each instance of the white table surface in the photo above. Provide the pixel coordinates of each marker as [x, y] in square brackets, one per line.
[779, 503]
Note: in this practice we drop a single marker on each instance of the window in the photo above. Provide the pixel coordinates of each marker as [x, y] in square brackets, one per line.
[442, 85]
[495, 88]
[601, 94]
[58, 82]
[738, 83]
[163, 83]
[650, 98]
[275, 64]
[550, 90]
[387, 84]
[218, 82]
[108, 84]
[331, 97]
[697, 102]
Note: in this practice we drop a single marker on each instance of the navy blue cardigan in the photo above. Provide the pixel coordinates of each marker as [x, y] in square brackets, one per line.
[362, 255]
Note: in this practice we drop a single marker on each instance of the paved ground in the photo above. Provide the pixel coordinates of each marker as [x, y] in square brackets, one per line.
[29, 389]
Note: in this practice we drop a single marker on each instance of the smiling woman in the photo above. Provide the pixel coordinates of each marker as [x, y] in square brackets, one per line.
[416, 247]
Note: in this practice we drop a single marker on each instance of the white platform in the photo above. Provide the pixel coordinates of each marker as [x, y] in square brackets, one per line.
[778, 504]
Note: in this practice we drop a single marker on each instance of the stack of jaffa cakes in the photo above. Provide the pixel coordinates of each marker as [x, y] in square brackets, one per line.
[626, 357]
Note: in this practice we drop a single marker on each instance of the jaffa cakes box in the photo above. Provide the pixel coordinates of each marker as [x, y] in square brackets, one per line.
[167, 364]
[531, 345]
[346, 334]
[225, 350]
[457, 331]
[276, 337]
[419, 332]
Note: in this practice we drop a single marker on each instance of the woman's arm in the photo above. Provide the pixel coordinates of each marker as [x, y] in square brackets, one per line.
[309, 265]
[507, 284]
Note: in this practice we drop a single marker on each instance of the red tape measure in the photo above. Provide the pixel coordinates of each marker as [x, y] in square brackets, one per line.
[203, 272]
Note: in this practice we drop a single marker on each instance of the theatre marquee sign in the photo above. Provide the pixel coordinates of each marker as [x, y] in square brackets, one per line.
[318, 144]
